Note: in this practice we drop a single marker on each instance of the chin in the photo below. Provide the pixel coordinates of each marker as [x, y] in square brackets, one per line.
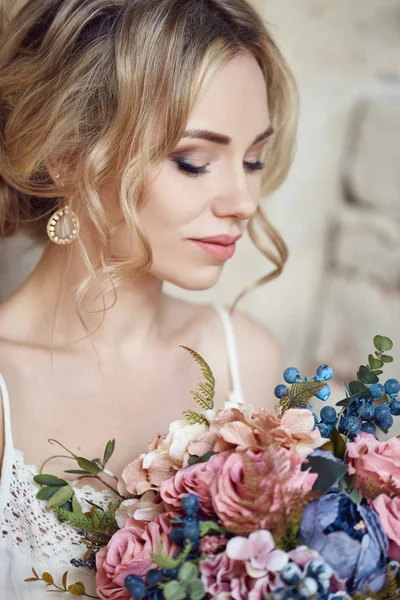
[196, 280]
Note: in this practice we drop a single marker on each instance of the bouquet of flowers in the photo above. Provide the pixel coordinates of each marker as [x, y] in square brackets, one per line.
[251, 503]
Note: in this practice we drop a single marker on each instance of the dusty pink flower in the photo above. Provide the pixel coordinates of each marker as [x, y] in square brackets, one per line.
[210, 544]
[388, 510]
[258, 552]
[225, 579]
[279, 482]
[195, 479]
[129, 553]
[140, 509]
[375, 465]
[300, 424]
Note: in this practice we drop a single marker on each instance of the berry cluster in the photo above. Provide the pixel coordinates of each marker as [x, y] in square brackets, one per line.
[314, 582]
[292, 375]
[148, 587]
[364, 415]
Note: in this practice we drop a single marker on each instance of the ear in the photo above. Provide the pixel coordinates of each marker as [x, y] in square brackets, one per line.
[56, 170]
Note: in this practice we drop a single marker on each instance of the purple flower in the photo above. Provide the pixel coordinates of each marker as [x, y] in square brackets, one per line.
[349, 537]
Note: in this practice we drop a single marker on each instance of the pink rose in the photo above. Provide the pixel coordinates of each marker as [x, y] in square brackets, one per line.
[275, 483]
[375, 465]
[195, 479]
[388, 510]
[224, 578]
[129, 553]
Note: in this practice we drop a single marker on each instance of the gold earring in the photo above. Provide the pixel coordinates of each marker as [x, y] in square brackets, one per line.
[63, 225]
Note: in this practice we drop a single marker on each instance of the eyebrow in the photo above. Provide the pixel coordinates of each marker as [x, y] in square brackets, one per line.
[219, 138]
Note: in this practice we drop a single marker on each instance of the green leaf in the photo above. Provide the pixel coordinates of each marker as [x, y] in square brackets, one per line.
[77, 472]
[88, 465]
[35, 573]
[206, 390]
[76, 507]
[356, 387]
[193, 460]
[207, 527]
[374, 363]
[355, 495]
[61, 497]
[187, 572]
[382, 344]
[30, 579]
[196, 589]
[365, 376]
[339, 445]
[109, 451]
[77, 589]
[328, 472]
[347, 401]
[46, 492]
[378, 372]
[386, 358]
[174, 590]
[49, 480]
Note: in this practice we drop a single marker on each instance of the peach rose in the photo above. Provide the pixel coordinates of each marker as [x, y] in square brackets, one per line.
[277, 476]
[129, 553]
[195, 479]
[388, 510]
[140, 509]
[374, 465]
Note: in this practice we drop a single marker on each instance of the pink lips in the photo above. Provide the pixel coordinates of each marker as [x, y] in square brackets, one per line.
[220, 246]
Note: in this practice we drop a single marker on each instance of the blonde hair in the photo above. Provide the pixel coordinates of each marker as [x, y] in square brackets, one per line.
[109, 85]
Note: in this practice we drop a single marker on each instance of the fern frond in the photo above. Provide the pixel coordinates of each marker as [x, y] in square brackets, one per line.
[194, 417]
[206, 390]
[299, 394]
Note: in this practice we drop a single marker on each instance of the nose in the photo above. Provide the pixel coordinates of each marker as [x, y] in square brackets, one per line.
[237, 199]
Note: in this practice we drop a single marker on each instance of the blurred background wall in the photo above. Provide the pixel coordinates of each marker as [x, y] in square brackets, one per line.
[339, 210]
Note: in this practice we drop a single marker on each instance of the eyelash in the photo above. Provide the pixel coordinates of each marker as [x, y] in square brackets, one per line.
[191, 170]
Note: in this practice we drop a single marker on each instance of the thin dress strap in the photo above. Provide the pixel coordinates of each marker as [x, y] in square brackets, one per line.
[236, 395]
[6, 470]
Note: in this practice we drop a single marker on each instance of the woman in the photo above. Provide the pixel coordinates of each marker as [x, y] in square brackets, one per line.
[132, 132]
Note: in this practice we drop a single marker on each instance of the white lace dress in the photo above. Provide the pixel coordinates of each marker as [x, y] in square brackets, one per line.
[31, 535]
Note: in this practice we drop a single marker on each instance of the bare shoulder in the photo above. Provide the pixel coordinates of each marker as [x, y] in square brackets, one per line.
[260, 359]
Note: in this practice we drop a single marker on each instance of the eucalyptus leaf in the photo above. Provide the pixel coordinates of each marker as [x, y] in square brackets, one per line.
[374, 363]
[386, 358]
[339, 445]
[61, 497]
[77, 589]
[382, 343]
[174, 590]
[357, 387]
[347, 401]
[88, 465]
[187, 572]
[329, 472]
[355, 495]
[196, 589]
[379, 372]
[47, 492]
[64, 580]
[109, 451]
[77, 472]
[206, 457]
[366, 376]
[49, 480]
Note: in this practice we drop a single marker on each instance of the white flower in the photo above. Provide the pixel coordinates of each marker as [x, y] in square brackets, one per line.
[176, 442]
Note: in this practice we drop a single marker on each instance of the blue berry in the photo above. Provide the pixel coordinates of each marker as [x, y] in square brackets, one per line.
[325, 372]
[177, 536]
[392, 386]
[395, 407]
[318, 569]
[377, 390]
[191, 531]
[135, 586]
[368, 428]
[385, 420]
[291, 375]
[153, 577]
[368, 413]
[328, 415]
[171, 573]
[325, 429]
[354, 408]
[381, 413]
[290, 574]
[190, 504]
[308, 587]
[324, 393]
[349, 425]
[280, 390]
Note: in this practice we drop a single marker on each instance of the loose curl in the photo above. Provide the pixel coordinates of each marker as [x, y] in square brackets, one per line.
[109, 85]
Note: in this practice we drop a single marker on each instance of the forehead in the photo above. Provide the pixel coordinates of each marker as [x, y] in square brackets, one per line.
[234, 101]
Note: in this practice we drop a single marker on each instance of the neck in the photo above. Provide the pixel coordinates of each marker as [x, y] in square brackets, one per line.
[48, 313]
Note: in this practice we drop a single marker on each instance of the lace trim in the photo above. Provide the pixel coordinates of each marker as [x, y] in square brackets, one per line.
[27, 524]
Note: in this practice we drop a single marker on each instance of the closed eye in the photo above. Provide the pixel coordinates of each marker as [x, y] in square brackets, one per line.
[190, 169]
